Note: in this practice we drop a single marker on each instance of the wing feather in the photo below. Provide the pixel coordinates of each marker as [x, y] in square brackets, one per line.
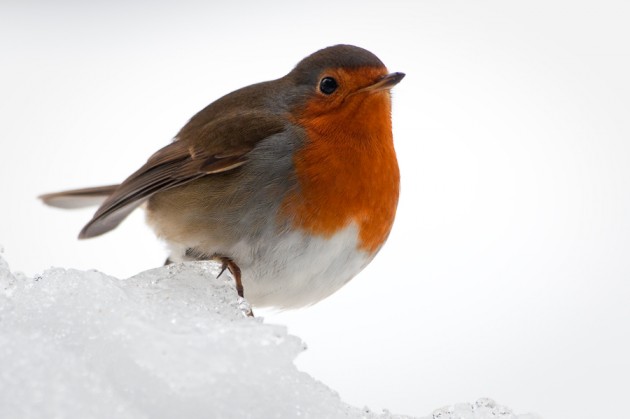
[224, 146]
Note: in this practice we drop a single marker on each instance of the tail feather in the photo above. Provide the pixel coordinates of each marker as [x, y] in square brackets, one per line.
[78, 198]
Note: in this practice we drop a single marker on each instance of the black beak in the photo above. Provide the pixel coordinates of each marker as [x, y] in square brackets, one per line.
[386, 82]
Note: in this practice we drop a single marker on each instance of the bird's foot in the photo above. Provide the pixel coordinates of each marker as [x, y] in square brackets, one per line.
[227, 263]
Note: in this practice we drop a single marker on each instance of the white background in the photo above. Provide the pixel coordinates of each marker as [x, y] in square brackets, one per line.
[507, 273]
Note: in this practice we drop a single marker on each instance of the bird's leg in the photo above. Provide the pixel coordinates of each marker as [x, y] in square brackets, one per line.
[227, 263]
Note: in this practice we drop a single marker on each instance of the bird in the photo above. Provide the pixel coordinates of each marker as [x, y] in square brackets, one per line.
[291, 184]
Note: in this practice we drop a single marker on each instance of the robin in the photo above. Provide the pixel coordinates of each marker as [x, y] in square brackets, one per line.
[291, 184]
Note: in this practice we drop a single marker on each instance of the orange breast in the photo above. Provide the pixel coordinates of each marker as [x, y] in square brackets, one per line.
[347, 170]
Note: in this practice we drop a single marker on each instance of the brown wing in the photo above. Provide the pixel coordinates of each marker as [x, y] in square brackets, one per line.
[217, 146]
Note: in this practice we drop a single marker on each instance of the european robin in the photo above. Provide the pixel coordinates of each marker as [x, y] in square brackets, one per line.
[292, 183]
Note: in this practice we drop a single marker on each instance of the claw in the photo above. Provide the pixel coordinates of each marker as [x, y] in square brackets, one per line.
[224, 266]
[227, 263]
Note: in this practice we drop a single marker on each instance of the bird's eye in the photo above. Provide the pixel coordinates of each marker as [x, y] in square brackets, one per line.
[328, 85]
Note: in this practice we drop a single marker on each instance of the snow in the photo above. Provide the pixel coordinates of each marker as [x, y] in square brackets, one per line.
[169, 342]
[483, 408]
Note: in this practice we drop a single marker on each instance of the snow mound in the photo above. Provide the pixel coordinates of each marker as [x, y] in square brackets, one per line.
[483, 408]
[169, 342]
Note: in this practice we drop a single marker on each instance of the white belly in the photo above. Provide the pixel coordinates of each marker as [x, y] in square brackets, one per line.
[295, 270]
